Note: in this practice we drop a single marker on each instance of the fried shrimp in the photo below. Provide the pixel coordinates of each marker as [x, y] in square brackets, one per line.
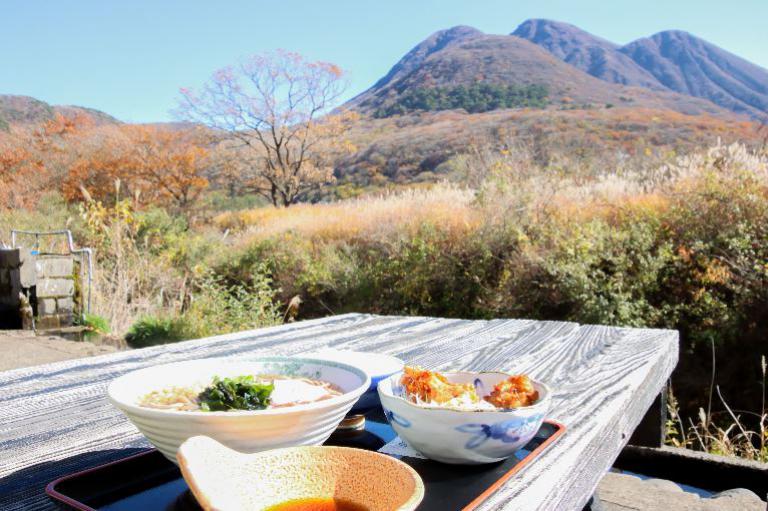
[426, 386]
[513, 392]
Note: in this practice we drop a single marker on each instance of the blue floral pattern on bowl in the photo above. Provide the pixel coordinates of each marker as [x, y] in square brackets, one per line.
[508, 432]
[396, 419]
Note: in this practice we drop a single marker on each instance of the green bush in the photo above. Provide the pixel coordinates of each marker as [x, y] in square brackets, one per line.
[220, 307]
[152, 330]
[216, 308]
[478, 97]
[93, 323]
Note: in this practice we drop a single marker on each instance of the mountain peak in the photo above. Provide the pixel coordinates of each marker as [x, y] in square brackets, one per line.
[459, 31]
[547, 31]
[688, 64]
[415, 58]
[591, 54]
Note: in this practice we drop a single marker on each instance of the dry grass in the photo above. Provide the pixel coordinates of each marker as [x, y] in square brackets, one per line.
[447, 206]
[730, 432]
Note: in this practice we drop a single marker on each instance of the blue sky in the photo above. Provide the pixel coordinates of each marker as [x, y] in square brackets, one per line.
[129, 58]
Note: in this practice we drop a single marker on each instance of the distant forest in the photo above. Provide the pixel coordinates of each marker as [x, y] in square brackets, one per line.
[480, 97]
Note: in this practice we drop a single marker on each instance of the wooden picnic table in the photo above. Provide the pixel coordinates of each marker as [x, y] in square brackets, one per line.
[55, 419]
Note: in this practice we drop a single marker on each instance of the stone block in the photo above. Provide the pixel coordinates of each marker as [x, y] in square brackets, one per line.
[46, 322]
[46, 306]
[55, 287]
[28, 268]
[64, 305]
[54, 266]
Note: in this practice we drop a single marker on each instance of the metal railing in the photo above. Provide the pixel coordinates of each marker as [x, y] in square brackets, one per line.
[87, 252]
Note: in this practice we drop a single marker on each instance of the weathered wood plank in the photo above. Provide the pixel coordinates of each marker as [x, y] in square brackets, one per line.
[55, 418]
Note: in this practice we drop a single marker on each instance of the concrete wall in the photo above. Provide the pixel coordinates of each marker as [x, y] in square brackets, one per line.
[55, 290]
[52, 277]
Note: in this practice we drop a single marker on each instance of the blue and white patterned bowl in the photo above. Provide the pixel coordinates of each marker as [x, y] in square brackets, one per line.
[457, 436]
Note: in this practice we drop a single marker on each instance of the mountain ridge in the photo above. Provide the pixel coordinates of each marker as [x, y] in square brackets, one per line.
[688, 64]
[464, 56]
[594, 55]
[675, 60]
[20, 109]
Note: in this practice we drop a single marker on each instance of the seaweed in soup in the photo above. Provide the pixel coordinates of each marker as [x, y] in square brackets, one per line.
[238, 393]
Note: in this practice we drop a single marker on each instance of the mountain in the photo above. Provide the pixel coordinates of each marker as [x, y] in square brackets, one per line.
[593, 55]
[464, 56]
[690, 65]
[28, 110]
[672, 60]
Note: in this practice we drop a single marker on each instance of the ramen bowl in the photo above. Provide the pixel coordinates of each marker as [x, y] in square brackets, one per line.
[248, 431]
[223, 479]
[460, 436]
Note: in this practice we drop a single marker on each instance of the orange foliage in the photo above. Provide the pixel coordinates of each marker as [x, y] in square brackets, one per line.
[153, 164]
[21, 173]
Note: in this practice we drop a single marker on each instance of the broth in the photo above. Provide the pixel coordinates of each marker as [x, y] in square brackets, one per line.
[245, 392]
[317, 504]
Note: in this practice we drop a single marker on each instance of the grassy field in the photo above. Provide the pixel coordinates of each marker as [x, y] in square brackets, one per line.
[682, 244]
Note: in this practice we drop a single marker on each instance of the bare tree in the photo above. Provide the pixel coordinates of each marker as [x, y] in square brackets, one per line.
[278, 107]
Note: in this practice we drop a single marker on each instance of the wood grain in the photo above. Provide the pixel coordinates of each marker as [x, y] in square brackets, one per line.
[55, 419]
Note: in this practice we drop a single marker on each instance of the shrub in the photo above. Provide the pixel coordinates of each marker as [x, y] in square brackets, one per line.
[93, 323]
[152, 330]
[479, 97]
[215, 308]
[219, 307]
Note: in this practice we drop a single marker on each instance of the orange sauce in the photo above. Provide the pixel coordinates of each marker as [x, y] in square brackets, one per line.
[317, 504]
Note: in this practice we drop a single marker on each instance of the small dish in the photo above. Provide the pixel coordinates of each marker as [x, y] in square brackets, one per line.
[377, 365]
[244, 430]
[223, 479]
[457, 436]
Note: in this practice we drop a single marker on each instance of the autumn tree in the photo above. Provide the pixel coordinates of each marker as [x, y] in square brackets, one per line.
[278, 107]
[170, 162]
[153, 164]
[100, 158]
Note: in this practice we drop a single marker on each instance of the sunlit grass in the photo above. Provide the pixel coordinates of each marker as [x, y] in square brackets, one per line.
[445, 206]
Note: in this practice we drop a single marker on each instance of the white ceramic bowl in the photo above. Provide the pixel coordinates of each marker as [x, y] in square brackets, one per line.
[377, 365]
[459, 436]
[246, 431]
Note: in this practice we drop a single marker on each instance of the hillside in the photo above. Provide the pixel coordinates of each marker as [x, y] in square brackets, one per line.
[462, 56]
[428, 146]
[27, 110]
[671, 60]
